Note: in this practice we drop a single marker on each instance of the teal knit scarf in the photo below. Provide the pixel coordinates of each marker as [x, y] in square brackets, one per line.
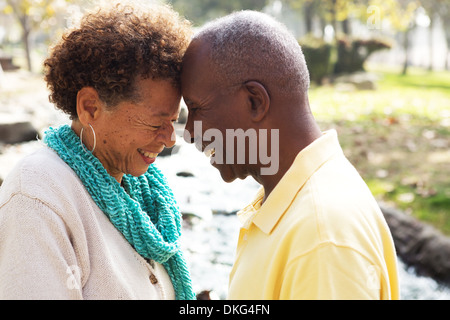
[144, 210]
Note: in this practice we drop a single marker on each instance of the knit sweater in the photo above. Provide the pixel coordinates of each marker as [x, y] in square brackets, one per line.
[56, 243]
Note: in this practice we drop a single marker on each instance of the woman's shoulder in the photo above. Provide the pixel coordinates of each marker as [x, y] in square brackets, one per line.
[44, 165]
[42, 173]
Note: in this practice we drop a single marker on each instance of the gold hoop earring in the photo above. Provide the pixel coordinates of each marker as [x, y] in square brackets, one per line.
[81, 138]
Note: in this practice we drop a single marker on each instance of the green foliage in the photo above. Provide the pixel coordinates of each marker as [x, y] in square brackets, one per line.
[200, 11]
[33, 15]
[351, 54]
[318, 57]
[400, 13]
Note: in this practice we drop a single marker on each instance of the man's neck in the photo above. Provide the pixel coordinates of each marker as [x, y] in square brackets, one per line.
[291, 143]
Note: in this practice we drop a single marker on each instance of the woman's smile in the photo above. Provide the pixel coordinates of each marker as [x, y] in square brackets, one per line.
[149, 157]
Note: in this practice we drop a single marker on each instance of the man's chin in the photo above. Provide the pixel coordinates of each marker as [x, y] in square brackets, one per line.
[227, 172]
[227, 179]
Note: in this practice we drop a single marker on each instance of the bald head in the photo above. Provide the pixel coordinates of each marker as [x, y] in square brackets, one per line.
[262, 61]
[249, 45]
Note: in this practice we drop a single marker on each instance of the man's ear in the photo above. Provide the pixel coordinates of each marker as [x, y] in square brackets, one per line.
[259, 99]
[89, 105]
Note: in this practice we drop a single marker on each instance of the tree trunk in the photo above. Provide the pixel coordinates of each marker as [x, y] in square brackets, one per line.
[308, 12]
[446, 26]
[25, 23]
[430, 41]
[406, 49]
[447, 59]
[334, 20]
[26, 41]
[346, 27]
[24, 20]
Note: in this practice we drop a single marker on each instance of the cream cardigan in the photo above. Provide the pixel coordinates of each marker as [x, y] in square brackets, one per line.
[56, 243]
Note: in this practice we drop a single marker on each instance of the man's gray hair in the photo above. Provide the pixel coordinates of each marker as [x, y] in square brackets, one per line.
[250, 45]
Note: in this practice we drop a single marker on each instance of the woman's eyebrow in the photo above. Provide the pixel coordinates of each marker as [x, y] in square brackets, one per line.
[161, 114]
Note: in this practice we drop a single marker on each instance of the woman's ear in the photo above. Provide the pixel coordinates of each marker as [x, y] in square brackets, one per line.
[259, 99]
[89, 105]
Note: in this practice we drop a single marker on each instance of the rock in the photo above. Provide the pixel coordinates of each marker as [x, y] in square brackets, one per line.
[358, 80]
[204, 295]
[169, 151]
[6, 63]
[182, 118]
[224, 212]
[207, 295]
[420, 245]
[185, 174]
[191, 211]
[189, 220]
[16, 129]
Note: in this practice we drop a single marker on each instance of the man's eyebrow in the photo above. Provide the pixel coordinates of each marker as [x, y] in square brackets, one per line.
[187, 100]
[191, 103]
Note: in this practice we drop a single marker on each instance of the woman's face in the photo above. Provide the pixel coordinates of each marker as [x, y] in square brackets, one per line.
[130, 137]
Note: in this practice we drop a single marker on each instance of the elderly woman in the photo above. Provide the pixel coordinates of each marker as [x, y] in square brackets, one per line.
[89, 216]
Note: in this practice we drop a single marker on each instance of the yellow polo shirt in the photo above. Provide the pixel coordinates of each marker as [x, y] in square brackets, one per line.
[319, 235]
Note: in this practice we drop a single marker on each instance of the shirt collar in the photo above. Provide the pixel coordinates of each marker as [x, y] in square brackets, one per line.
[247, 214]
[265, 216]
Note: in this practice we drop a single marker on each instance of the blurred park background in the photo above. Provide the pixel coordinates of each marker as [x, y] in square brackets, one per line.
[380, 74]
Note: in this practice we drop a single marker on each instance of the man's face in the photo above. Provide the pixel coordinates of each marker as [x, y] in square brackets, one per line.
[213, 108]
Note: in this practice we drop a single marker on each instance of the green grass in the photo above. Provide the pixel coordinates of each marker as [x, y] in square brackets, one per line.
[398, 137]
[420, 94]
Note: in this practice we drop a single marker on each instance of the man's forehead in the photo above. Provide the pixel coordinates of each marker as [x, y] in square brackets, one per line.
[197, 72]
[197, 55]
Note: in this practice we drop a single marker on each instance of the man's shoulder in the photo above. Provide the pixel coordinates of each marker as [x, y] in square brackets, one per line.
[335, 205]
[338, 186]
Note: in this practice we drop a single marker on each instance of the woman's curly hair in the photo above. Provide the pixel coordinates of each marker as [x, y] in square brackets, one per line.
[111, 48]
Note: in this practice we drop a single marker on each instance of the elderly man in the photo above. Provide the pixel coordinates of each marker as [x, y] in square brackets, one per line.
[313, 231]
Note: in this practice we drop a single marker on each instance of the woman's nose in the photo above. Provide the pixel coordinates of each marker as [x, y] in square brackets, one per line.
[168, 136]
